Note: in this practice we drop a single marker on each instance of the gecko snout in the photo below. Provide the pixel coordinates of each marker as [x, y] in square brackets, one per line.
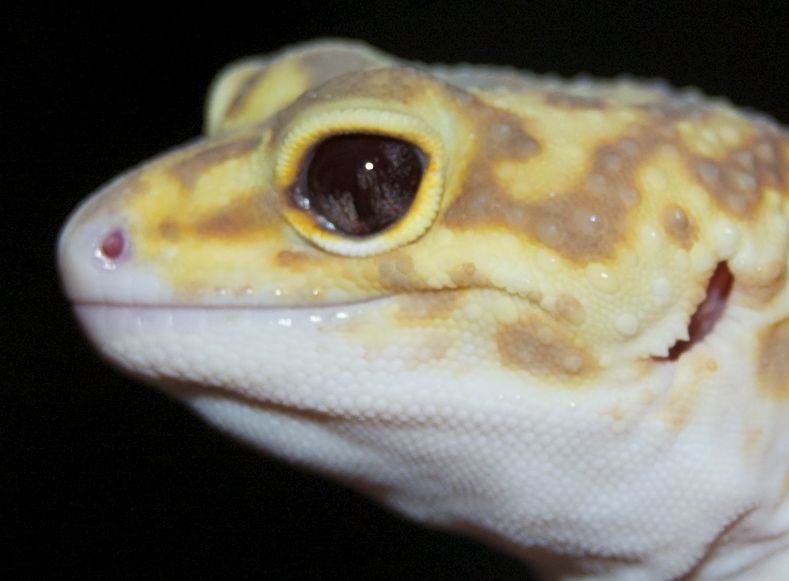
[98, 264]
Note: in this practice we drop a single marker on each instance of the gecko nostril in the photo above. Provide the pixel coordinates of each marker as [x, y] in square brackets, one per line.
[112, 247]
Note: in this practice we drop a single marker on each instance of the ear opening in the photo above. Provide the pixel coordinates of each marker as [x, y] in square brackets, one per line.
[709, 311]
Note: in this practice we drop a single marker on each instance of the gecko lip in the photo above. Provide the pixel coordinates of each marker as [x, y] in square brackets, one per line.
[117, 330]
[225, 306]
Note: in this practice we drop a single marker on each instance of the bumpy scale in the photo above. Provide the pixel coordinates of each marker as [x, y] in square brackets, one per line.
[468, 291]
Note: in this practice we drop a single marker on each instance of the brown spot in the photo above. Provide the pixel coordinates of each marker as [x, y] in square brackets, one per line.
[488, 79]
[535, 295]
[237, 219]
[570, 309]
[564, 100]
[678, 226]
[583, 224]
[577, 225]
[189, 169]
[467, 276]
[533, 346]
[292, 259]
[426, 307]
[505, 137]
[738, 181]
[399, 84]
[673, 107]
[169, 230]
[396, 273]
[774, 360]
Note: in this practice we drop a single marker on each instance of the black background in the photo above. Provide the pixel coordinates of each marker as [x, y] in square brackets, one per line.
[112, 480]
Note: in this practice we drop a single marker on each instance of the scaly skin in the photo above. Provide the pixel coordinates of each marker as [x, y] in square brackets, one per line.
[496, 362]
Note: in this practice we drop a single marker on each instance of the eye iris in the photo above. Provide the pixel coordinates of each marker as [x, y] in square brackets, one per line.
[360, 184]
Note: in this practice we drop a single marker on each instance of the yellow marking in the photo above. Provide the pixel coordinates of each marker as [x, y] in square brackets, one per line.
[597, 209]
[580, 207]
[568, 140]
[265, 94]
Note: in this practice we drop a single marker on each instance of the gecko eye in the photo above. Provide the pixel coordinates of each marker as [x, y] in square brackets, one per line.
[358, 181]
[359, 184]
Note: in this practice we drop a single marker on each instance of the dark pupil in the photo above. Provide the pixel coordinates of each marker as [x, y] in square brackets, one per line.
[360, 184]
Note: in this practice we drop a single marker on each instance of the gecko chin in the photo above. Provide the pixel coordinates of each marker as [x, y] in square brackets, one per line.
[326, 389]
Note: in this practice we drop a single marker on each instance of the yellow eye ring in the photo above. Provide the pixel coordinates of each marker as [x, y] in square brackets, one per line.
[310, 131]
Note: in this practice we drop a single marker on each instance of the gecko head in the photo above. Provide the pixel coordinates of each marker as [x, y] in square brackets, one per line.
[360, 244]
